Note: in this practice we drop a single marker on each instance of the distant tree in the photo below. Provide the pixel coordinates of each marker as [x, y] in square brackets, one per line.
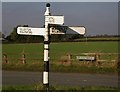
[2, 35]
[14, 35]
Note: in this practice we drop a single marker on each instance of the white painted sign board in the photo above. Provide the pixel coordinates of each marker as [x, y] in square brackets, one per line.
[76, 30]
[61, 29]
[54, 19]
[85, 57]
[53, 30]
[31, 31]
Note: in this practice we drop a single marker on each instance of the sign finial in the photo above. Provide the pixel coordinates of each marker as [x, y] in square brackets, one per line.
[47, 12]
[48, 5]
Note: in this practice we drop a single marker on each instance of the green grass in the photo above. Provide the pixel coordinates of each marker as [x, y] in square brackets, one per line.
[100, 39]
[14, 51]
[57, 88]
[61, 68]
[34, 56]
[35, 51]
[80, 47]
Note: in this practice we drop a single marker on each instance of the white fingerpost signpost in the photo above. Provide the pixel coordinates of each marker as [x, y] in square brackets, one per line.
[53, 25]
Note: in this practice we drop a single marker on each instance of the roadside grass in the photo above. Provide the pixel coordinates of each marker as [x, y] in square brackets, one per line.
[58, 88]
[81, 69]
[23, 67]
[61, 68]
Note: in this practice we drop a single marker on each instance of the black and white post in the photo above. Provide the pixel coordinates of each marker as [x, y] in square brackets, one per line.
[46, 50]
[53, 25]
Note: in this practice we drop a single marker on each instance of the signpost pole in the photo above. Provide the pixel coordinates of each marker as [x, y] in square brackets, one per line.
[46, 50]
[56, 23]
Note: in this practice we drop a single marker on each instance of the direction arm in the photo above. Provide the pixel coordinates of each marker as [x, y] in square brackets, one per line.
[31, 31]
[62, 29]
[76, 30]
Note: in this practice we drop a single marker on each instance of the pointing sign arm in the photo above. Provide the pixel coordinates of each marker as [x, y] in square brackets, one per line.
[62, 29]
[57, 29]
[54, 29]
[31, 31]
[76, 30]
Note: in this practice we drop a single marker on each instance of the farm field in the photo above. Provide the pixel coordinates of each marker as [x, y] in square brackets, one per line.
[34, 53]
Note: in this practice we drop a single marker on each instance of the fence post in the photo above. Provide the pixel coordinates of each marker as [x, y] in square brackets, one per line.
[69, 57]
[5, 58]
[23, 59]
[97, 56]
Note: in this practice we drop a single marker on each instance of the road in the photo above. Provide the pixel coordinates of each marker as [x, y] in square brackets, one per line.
[71, 79]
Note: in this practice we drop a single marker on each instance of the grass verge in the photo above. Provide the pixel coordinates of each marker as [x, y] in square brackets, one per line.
[60, 68]
[55, 88]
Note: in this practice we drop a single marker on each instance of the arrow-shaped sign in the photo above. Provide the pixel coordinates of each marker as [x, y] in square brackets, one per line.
[53, 30]
[76, 30]
[62, 29]
[31, 31]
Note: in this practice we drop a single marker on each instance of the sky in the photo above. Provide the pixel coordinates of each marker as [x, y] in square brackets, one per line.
[60, 0]
[99, 18]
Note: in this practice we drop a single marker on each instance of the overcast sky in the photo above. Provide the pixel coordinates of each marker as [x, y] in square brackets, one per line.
[98, 18]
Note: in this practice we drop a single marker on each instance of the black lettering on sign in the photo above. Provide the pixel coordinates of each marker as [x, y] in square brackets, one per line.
[62, 29]
[25, 30]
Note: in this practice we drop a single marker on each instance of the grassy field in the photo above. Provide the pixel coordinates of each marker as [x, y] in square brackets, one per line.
[99, 39]
[57, 50]
[34, 56]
